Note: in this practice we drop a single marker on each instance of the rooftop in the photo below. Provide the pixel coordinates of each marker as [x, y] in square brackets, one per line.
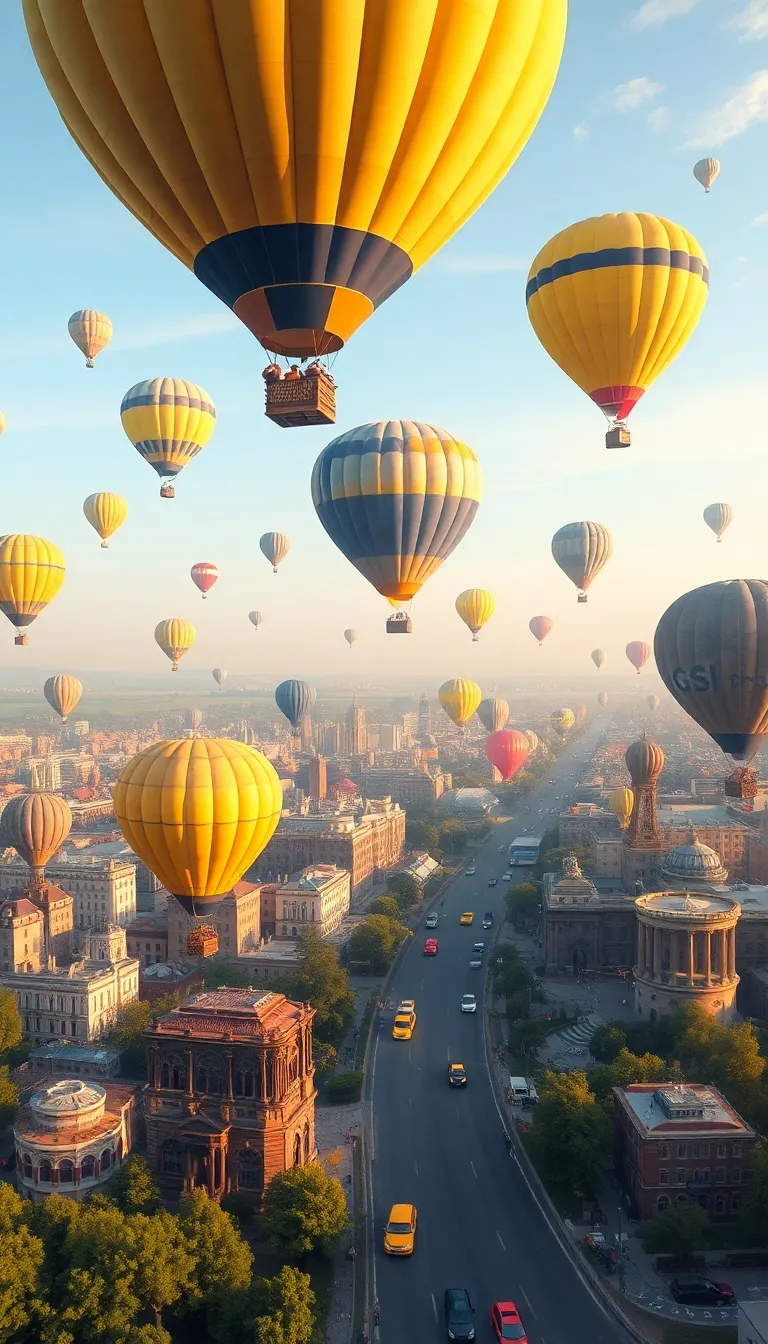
[673, 1107]
[233, 1013]
[76, 1054]
[700, 814]
[688, 905]
[68, 1096]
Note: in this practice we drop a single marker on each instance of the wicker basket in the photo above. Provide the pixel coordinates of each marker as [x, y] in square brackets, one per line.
[292, 402]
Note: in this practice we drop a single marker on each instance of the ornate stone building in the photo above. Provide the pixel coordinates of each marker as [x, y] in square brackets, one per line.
[71, 1136]
[230, 1099]
[584, 930]
[692, 866]
[643, 844]
[686, 953]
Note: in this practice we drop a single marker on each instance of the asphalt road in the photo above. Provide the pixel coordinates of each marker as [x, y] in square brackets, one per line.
[479, 1225]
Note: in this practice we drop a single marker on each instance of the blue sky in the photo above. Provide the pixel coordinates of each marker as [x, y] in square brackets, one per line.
[644, 90]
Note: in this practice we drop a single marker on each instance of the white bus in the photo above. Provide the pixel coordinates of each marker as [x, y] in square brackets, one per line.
[525, 850]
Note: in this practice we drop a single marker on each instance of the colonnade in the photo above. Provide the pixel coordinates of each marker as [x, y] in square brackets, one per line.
[705, 956]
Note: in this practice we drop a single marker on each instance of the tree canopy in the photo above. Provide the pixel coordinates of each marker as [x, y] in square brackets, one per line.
[376, 941]
[304, 1210]
[571, 1134]
[10, 1022]
[323, 981]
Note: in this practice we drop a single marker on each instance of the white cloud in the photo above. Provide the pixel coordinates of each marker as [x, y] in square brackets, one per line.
[658, 118]
[580, 132]
[491, 262]
[759, 220]
[655, 12]
[628, 97]
[747, 107]
[752, 22]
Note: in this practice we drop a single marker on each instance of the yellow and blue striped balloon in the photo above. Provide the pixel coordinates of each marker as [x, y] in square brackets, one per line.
[396, 497]
[168, 421]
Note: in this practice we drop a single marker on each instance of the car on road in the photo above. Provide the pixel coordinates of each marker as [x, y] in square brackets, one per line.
[695, 1290]
[488, 919]
[478, 949]
[431, 921]
[459, 1314]
[407, 1006]
[505, 1319]
[502, 848]
[506, 877]
[400, 1232]
[468, 1003]
[430, 947]
[467, 917]
[471, 871]
[457, 1075]
[493, 881]
[403, 1025]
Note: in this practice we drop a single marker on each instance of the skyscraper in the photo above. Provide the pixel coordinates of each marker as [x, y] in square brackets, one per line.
[357, 732]
[317, 778]
[424, 725]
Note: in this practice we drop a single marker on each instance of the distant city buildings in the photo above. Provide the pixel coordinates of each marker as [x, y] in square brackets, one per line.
[356, 735]
[318, 778]
[417, 788]
[103, 889]
[363, 845]
[318, 898]
[236, 919]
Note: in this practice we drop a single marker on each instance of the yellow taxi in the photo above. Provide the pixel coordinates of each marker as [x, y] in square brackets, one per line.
[457, 1075]
[400, 1232]
[402, 1027]
[467, 917]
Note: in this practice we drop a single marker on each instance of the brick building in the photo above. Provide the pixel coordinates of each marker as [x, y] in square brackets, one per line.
[147, 939]
[230, 1097]
[585, 822]
[363, 845]
[681, 1144]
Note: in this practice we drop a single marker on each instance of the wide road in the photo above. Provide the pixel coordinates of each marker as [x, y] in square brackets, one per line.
[479, 1225]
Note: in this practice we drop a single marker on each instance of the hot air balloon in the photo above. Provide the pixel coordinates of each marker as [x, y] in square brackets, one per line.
[718, 517]
[645, 761]
[36, 825]
[350, 636]
[705, 172]
[562, 720]
[168, 421]
[582, 550]
[460, 699]
[198, 811]
[613, 300]
[175, 637]
[652, 701]
[274, 546]
[31, 574]
[711, 648]
[507, 750]
[493, 713]
[396, 497]
[105, 513]
[63, 694]
[90, 331]
[267, 148]
[2, 422]
[621, 801]
[580, 713]
[475, 606]
[294, 699]
[192, 719]
[598, 658]
[533, 741]
[256, 618]
[540, 627]
[638, 653]
[204, 575]
[602, 699]
[219, 675]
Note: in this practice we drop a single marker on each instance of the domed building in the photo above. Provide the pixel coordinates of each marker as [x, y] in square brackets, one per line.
[471, 807]
[686, 953]
[692, 867]
[71, 1136]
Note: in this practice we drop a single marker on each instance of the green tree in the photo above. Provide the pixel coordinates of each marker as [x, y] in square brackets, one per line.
[133, 1187]
[553, 858]
[386, 905]
[571, 1134]
[9, 1097]
[135, 1017]
[222, 1260]
[679, 1230]
[10, 1022]
[627, 1068]
[405, 889]
[607, 1042]
[453, 835]
[304, 1210]
[421, 834]
[727, 1057]
[270, 1311]
[323, 981]
[523, 902]
[324, 1057]
[755, 1215]
[21, 1263]
[376, 941]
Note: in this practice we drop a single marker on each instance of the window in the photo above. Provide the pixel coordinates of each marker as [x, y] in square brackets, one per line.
[173, 1073]
[87, 1168]
[681, 1150]
[106, 1159]
[722, 1151]
[173, 1157]
[45, 1171]
[250, 1170]
[720, 1203]
[306, 1142]
[735, 1203]
[680, 1177]
[681, 1199]
[720, 1178]
[663, 1150]
[736, 1176]
[209, 1075]
[662, 1203]
[663, 1177]
[66, 1171]
[297, 1151]
[27, 1164]
[737, 1150]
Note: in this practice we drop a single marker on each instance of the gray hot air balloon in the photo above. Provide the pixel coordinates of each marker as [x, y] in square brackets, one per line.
[493, 713]
[582, 550]
[275, 546]
[705, 172]
[718, 517]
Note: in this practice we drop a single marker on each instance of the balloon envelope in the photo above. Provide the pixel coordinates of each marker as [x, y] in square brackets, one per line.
[274, 546]
[598, 658]
[602, 699]
[621, 801]
[711, 650]
[582, 550]
[168, 421]
[219, 675]
[475, 606]
[507, 750]
[638, 653]
[718, 517]
[294, 699]
[63, 694]
[350, 636]
[562, 720]
[459, 698]
[31, 574]
[540, 627]
[493, 713]
[36, 825]
[533, 741]
[105, 513]
[175, 637]
[652, 701]
[198, 812]
[204, 575]
[192, 719]
[705, 172]
[91, 331]
[256, 618]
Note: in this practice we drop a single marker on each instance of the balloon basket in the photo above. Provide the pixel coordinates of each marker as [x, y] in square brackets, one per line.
[308, 400]
[399, 623]
[618, 436]
[742, 783]
[167, 492]
[21, 640]
[203, 941]
[582, 597]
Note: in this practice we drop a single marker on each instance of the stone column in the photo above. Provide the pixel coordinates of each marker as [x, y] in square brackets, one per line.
[723, 957]
[211, 1170]
[731, 936]
[263, 1074]
[190, 1073]
[641, 948]
[708, 957]
[656, 952]
[691, 956]
[230, 1075]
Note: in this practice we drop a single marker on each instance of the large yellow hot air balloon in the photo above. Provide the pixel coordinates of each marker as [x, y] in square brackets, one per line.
[198, 812]
[63, 694]
[168, 421]
[459, 699]
[613, 300]
[302, 159]
[36, 825]
[105, 513]
[562, 720]
[91, 331]
[31, 574]
[475, 607]
[582, 550]
[621, 801]
[175, 637]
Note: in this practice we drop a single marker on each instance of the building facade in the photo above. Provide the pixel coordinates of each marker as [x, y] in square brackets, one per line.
[318, 898]
[364, 846]
[147, 939]
[585, 822]
[686, 953]
[318, 778]
[582, 928]
[236, 919]
[71, 1136]
[682, 1144]
[102, 889]
[230, 1097]
[415, 788]
[80, 1001]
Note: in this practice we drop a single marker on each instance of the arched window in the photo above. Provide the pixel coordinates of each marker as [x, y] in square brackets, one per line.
[87, 1168]
[306, 1142]
[293, 1066]
[45, 1173]
[106, 1159]
[681, 1199]
[172, 1158]
[662, 1203]
[66, 1171]
[27, 1167]
[297, 1151]
[209, 1075]
[173, 1073]
[250, 1170]
[245, 1083]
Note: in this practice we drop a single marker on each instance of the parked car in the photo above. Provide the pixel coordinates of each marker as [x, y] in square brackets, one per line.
[695, 1290]
[471, 871]
[506, 877]
[459, 1314]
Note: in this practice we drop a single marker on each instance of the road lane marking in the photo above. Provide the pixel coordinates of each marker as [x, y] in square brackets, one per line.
[472, 1165]
[434, 1308]
[415, 1166]
[501, 1243]
[524, 1295]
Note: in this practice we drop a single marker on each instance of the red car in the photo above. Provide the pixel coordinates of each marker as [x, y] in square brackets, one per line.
[430, 947]
[505, 1319]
